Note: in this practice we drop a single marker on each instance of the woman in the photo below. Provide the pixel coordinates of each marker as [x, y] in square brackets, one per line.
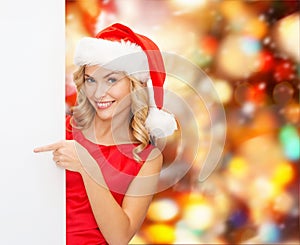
[111, 168]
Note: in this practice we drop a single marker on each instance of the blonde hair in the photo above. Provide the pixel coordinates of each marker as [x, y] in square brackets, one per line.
[83, 113]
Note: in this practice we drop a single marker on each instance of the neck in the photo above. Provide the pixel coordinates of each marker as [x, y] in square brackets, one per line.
[111, 132]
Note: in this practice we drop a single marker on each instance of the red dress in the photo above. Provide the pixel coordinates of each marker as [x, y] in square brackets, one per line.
[118, 168]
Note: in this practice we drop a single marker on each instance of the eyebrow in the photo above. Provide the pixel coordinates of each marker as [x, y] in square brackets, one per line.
[111, 73]
[107, 75]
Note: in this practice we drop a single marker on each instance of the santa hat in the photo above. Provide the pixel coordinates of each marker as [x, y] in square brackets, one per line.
[117, 47]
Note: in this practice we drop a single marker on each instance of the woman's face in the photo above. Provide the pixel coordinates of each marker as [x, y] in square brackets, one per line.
[108, 92]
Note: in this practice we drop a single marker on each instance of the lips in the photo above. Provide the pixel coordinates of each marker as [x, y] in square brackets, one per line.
[104, 104]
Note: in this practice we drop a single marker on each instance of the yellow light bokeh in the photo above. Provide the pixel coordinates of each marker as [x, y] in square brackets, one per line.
[289, 27]
[224, 90]
[256, 28]
[199, 216]
[238, 167]
[232, 9]
[283, 174]
[160, 234]
[162, 210]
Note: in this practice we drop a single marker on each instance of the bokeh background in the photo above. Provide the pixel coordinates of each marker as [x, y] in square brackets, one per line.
[250, 50]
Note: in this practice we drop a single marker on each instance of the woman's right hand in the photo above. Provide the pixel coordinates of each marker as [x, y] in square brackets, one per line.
[64, 154]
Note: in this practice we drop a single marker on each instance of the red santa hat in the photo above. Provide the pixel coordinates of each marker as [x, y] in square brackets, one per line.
[117, 47]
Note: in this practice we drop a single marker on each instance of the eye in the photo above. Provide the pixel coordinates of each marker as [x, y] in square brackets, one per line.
[112, 80]
[89, 80]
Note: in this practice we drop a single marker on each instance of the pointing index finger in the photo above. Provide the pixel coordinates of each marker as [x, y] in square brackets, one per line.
[50, 147]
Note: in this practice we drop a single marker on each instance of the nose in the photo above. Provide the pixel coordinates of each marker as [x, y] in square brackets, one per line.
[100, 90]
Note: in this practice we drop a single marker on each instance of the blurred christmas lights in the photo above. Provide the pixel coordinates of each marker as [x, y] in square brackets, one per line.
[251, 51]
[287, 35]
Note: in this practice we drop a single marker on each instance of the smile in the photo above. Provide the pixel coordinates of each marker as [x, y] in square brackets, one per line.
[104, 105]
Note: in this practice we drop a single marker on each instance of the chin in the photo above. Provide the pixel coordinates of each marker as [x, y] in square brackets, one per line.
[104, 116]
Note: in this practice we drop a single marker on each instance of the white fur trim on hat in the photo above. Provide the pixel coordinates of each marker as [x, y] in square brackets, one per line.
[113, 55]
[160, 123]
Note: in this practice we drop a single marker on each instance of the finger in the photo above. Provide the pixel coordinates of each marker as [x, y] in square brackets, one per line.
[58, 158]
[55, 159]
[56, 152]
[58, 163]
[50, 147]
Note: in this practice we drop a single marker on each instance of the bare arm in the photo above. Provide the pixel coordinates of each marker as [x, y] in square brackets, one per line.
[119, 224]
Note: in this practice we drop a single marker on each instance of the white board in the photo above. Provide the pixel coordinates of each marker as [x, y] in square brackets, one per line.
[32, 39]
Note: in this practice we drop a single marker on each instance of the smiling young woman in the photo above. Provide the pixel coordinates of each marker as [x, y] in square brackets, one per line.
[112, 166]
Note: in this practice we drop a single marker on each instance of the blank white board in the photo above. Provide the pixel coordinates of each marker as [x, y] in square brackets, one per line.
[32, 206]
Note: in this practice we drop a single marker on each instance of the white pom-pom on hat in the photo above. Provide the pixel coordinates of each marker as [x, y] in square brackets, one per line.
[160, 123]
[144, 63]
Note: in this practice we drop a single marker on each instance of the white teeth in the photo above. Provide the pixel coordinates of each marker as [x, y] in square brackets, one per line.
[104, 104]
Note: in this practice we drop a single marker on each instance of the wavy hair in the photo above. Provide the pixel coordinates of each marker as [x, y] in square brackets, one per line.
[83, 113]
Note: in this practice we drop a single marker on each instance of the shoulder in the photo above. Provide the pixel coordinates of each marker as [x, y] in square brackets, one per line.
[145, 154]
[153, 163]
[155, 154]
